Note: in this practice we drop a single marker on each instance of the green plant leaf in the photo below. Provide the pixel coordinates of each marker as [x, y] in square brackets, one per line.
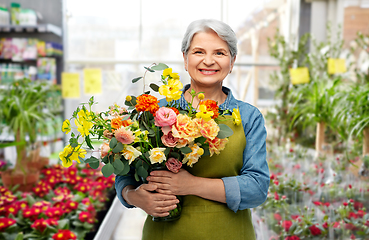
[136, 79]
[113, 142]
[118, 148]
[107, 170]
[63, 223]
[88, 142]
[159, 67]
[118, 165]
[142, 172]
[185, 150]
[93, 162]
[224, 131]
[149, 69]
[154, 87]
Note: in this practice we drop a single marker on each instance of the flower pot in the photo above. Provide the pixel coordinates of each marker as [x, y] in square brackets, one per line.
[26, 181]
[39, 164]
[173, 214]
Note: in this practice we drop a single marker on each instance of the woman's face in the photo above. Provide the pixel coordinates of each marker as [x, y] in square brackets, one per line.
[208, 60]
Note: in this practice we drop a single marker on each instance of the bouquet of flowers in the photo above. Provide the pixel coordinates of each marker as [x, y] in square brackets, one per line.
[144, 136]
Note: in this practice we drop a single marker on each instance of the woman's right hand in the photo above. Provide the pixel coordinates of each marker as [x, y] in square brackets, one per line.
[153, 203]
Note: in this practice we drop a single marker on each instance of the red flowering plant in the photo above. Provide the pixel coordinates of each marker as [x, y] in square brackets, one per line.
[63, 205]
[144, 136]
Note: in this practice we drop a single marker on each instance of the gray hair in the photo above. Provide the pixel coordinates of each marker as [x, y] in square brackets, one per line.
[223, 30]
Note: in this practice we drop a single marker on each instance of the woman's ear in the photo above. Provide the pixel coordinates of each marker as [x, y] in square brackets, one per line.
[232, 63]
[185, 61]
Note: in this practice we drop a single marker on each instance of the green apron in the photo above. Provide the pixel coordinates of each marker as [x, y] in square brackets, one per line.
[206, 219]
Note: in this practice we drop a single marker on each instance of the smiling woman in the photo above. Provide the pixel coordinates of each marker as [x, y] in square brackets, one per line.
[219, 190]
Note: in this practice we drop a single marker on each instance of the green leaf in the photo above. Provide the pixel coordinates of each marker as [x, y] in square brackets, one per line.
[118, 148]
[93, 162]
[224, 131]
[185, 150]
[136, 177]
[125, 170]
[154, 87]
[107, 170]
[149, 69]
[136, 79]
[73, 142]
[105, 159]
[142, 172]
[118, 165]
[113, 143]
[159, 67]
[201, 140]
[19, 236]
[63, 223]
[131, 103]
[30, 200]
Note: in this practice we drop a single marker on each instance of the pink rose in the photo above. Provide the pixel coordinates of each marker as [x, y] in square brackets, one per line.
[168, 140]
[104, 149]
[165, 117]
[173, 165]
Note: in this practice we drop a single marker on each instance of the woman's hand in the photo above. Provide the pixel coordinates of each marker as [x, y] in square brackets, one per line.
[153, 203]
[172, 183]
[183, 183]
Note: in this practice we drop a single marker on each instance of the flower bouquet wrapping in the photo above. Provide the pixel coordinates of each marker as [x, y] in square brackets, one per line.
[143, 136]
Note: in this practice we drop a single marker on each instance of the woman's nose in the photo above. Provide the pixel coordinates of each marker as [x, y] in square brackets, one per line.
[208, 59]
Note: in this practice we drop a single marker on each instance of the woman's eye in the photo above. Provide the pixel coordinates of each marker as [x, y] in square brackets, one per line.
[198, 52]
[219, 53]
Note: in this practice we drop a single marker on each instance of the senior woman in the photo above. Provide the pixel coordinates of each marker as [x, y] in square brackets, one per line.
[219, 190]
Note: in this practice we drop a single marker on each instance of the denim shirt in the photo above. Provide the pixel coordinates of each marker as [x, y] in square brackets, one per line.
[249, 189]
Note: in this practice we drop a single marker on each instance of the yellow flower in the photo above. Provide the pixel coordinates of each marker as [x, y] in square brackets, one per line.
[236, 116]
[172, 90]
[130, 153]
[70, 154]
[204, 114]
[83, 126]
[157, 155]
[201, 96]
[193, 157]
[168, 73]
[66, 126]
[128, 98]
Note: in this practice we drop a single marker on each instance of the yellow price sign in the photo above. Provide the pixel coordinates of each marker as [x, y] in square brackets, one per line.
[336, 65]
[92, 81]
[299, 75]
[70, 85]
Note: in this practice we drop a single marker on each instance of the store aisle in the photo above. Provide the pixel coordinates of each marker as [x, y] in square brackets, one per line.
[130, 225]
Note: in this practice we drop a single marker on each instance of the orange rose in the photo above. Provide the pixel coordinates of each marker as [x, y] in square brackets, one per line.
[147, 103]
[185, 128]
[216, 145]
[116, 123]
[208, 129]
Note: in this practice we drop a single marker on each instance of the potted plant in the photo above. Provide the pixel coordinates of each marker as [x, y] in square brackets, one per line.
[23, 113]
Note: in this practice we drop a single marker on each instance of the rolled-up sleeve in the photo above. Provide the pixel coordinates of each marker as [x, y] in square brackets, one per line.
[249, 189]
[120, 183]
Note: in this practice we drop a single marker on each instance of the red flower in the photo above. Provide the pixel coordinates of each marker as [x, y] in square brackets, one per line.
[86, 217]
[11, 209]
[292, 238]
[277, 216]
[352, 236]
[336, 225]
[54, 212]
[276, 196]
[70, 206]
[315, 230]
[286, 225]
[64, 235]
[345, 204]
[31, 213]
[352, 215]
[361, 213]
[350, 226]
[317, 203]
[358, 205]
[173, 165]
[40, 224]
[325, 225]
[6, 222]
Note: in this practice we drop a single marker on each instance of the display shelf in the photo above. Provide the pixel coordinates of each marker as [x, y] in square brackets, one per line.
[41, 28]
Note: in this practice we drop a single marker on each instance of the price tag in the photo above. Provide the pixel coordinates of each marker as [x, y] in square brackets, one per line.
[336, 65]
[299, 75]
[70, 85]
[92, 81]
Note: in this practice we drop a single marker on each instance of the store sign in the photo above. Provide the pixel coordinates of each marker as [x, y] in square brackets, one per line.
[92, 81]
[70, 85]
[336, 65]
[299, 75]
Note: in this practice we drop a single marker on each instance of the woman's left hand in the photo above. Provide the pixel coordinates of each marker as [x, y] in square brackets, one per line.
[172, 183]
